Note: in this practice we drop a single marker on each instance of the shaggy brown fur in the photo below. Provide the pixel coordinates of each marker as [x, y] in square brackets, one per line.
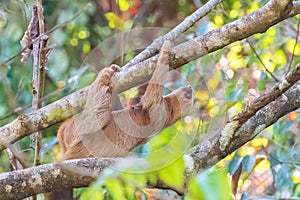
[101, 132]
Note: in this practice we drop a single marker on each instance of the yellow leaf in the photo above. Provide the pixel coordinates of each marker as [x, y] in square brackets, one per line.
[86, 48]
[115, 188]
[263, 166]
[213, 107]
[245, 151]
[237, 5]
[253, 7]
[218, 20]
[92, 193]
[296, 176]
[114, 21]
[290, 47]
[236, 47]
[280, 58]
[257, 142]
[173, 174]
[60, 84]
[267, 60]
[202, 96]
[237, 63]
[271, 31]
[267, 41]
[123, 5]
[82, 34]
[214, 81]
[233, 13]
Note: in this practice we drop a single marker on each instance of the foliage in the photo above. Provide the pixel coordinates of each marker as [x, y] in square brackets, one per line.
[224, 82]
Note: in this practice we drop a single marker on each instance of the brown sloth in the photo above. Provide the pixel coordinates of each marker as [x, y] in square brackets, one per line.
[100, 132]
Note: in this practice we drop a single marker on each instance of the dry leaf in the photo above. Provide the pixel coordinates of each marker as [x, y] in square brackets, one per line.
[30, 34]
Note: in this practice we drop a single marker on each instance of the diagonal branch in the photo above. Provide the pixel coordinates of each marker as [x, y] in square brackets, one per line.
[156, 45]
[45, 178]
[82, 172]
[257, 22]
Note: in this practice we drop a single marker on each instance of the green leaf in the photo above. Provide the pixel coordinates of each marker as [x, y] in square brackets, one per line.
[173, 174]
[86, 80]
[115, 188]
[92, 193]
[210, 185]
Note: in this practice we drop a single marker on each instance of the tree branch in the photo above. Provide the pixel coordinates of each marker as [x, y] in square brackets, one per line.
[257, 22]
[45, 178]
[81, 172]
[156, 45]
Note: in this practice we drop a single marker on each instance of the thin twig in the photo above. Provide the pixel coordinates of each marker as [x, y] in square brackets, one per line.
[260, 60]
[38, 81]
[174, 33]
[294, 49]
[16, 161]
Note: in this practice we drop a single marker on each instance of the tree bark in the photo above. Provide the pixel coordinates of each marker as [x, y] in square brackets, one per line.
[257, 22]
[82, 172]
[78, 173]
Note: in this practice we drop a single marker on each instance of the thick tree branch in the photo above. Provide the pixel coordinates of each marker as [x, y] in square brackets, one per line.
[234, 135]
[174, 33]
[79, 173]
[45, 178]
[257, 22]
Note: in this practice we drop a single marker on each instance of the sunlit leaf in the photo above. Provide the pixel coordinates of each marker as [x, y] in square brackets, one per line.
[238, 62]
[233, 13]
[244, 151]
[256, 142]
[114, 21]
[92, 193]
[296, 176]
[253, 7]
[213, 107]
[202, 96]
[123, 4]
[263, 166]
[210, 185]
[280, 58]
[290, 47]
[268, 62]
[218, 20]
[115, 188]
[173, 174]
[271, 31]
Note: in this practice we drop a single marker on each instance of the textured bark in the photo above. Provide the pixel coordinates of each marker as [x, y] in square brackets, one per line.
[210, 151]
[174, 33]
[45, 178]
[79, 173]
[257, 22]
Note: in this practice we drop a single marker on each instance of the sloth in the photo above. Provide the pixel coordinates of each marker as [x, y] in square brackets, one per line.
[100, 132]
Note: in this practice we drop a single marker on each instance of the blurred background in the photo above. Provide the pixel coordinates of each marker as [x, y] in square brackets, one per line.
[224, 82]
